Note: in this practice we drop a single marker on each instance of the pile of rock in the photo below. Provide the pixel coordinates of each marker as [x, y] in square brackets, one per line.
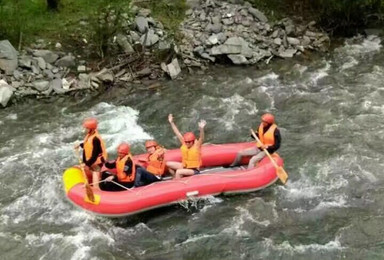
[215, 29]
[39, 73]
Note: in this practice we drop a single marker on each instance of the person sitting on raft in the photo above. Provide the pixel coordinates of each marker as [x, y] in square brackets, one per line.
[155, 163]
[128, 174]
[190, 151]
[94, 151]
[269, 135]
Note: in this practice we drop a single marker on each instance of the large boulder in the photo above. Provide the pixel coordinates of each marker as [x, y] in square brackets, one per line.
[8, 57]
[6, 93]
[48, 56]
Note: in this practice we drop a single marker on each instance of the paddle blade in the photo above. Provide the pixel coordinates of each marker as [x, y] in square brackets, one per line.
[89, 192]
[282, 174]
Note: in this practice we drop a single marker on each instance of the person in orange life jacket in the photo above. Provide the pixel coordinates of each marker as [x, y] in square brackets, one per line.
[126, 172]
[155, 163]
[94, 151]
[190, 151]
[269, 135]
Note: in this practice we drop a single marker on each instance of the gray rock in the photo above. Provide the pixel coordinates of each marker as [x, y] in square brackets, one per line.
[149, 39]
[66, 61]
[208, 57]
[35, 69]
[228, 21]
[141, 24]
[25, 62]
[290, 29]
[238, 59]
[81, 68]
[135, 37]
[41, 63]
[216, 19]
[188, 12]
[215, 28]
[306, 40]
[258, 15]
[174, 69]
[277, 41]
[199, 50]
[164, 45]
[48, 56]
[105, 77]
[6, 93]
[144, 72]
[221, 37]
[144, 12]
[57, 86]
[225, 49]
[8, 57]
[17, 74]
[49, 74]
[17, 84]
[287, 53]
[213, 39]
[293, 41]
[41, 85]
[122, 41]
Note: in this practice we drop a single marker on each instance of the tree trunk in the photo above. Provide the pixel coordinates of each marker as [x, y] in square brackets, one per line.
[53, 5]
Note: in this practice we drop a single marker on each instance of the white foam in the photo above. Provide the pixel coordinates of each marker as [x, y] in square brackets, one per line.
[286, 247]
[321, 73]
[118, 124]
[194, 239]
[350, 63]
[11, 116]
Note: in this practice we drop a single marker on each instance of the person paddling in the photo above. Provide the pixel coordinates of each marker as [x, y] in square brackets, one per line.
[190, 151]
[126, 176]
[94, 151]
[269, 135]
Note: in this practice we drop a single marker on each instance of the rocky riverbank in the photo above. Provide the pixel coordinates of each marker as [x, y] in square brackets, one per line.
[213, 32]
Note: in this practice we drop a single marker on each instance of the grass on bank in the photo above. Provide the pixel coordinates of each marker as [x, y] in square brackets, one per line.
[26, 21]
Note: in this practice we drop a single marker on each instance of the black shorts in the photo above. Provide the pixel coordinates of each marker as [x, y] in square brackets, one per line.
[195, 170]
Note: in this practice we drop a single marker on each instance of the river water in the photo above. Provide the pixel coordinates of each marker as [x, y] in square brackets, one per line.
[330, 112]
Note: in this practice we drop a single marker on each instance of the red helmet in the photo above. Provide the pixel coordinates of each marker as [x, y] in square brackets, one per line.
[150, 143]
[90, 123]
[123, 148]
[189, 136]
[269, 118]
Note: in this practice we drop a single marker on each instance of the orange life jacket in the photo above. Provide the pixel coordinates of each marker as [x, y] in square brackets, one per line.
[120, 164]
[191, 158]
[156, 163]
[88, 148]
[267, 138]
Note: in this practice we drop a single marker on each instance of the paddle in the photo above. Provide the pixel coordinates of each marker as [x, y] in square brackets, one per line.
[281, 173]
[88, 188]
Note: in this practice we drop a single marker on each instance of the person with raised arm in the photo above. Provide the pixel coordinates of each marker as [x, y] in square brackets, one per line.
[190, 151]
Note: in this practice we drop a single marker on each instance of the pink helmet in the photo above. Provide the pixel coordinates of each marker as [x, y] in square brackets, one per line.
[150, 143]
[189, 137]
[269, 118]
[123, 148]
[90, 123]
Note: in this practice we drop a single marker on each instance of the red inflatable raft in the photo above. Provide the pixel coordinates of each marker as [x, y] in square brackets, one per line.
[209, 182]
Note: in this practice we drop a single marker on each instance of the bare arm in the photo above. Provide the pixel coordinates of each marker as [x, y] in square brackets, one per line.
[175, 129]
[202, 124]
